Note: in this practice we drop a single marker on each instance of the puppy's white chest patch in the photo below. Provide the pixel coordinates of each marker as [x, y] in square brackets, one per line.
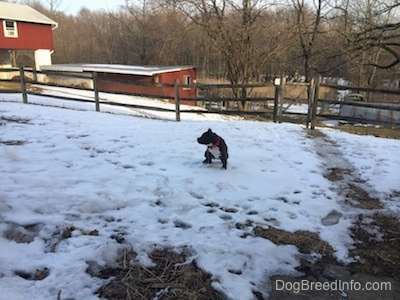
[215, 152]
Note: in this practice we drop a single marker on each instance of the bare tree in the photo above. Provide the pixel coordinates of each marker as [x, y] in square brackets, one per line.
[308, 30]
[381, 31]
[53, 4]
[233, 28]
[141, 26]
[373, 39]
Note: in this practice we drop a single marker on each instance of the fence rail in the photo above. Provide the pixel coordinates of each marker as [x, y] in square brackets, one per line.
[276, 107]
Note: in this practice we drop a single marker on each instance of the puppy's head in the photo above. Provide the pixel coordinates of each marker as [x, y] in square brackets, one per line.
[207, 138]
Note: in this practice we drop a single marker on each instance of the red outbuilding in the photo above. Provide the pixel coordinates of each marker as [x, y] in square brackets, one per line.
[155, 81]
[125, 76]
[24, 28]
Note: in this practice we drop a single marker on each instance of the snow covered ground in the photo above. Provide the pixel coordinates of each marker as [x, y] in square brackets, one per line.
[142, 178]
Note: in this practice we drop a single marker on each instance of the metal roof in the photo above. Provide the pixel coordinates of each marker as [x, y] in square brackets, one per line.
[134, 70]
[116, 69]
[76, 68]
[23, 13]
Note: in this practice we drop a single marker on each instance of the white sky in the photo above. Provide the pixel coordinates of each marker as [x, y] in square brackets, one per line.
[74, 6]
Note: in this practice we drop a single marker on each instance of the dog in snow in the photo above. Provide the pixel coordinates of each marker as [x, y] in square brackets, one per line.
[216, 147]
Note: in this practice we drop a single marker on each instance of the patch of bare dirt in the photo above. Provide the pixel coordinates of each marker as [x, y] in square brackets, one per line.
[378, 246]
[359, 198]
[12, 142]
[4, 120]
[307, 242]
[385, 131]
[354, 194]
[377, 254]
[39, 274]
[337, 174]
[171, 278]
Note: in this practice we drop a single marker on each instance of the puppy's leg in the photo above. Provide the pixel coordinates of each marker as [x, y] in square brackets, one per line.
[224, 162]
[224, 154]
[208, 156]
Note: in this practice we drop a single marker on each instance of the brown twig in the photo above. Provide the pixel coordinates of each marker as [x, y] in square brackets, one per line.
[129, 287]
[383, 258]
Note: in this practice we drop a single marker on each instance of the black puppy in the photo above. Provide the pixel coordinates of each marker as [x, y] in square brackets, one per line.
[216, 147]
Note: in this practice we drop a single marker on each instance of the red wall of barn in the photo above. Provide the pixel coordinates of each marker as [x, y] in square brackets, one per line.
[127, 81]
[31, 36]
[169, 78]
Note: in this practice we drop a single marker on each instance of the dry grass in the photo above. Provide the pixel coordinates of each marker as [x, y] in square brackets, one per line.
[379, 256]
[292, 91]
[10, 86]
[305, 241]
[392, 133]
[171, 278]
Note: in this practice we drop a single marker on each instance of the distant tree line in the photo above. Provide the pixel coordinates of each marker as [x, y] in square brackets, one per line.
[242, 41]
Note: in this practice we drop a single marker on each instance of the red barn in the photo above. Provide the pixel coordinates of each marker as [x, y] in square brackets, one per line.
[139, 80]
[24, 28]
[145, 74]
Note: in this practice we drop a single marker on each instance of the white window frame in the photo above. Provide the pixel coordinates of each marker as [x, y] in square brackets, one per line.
[187, 80]
[10, 31]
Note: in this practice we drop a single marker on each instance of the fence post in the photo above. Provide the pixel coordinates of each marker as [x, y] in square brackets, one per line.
[35, 76]
[276, 101]
[281, 95]
[310, 94]
[23, 84]
[96, 91]
[315, 103]
[176, 96]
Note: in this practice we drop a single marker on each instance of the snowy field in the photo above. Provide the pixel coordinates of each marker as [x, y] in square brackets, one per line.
[142, 178]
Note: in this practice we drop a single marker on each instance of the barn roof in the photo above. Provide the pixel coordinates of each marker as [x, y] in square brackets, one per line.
[134, 70]
[116, 69]
[23, 13]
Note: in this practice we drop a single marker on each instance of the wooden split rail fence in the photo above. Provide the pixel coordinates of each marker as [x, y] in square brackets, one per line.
[228, 104]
